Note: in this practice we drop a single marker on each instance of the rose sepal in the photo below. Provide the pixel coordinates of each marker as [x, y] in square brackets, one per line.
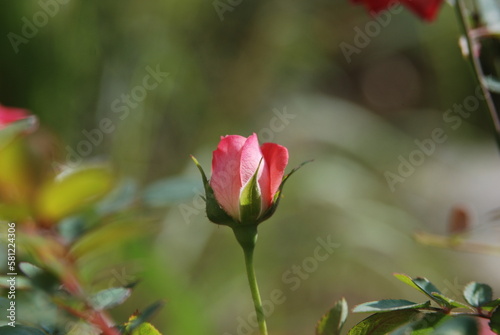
[251, 201]
[214, 212]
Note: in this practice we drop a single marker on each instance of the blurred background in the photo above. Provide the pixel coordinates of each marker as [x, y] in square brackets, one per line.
[373, 101]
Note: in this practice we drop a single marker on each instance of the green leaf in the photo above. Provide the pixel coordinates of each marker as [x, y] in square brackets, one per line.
[20, 330]
[14, 212]
[491, 305]
[136, 320]
[83, 328]
[72, 227]
[450, 302]
[39, 277]
[108, 236]
[22, 283]
[423, 326]
[14, 129]
[407, 280]
[383, 323]
[495, 321]
[251, 200]
[477, 294]
[72, 192]
[4, 303]
[459, 325]
[426, 287]
[169, 191]
[29, 269]
[145, 329]
[333, 321]
[110, 298]
[389, 305]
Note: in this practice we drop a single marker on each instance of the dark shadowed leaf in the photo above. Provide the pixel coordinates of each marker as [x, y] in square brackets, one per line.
[495, 321]
[136, 320]
[39, 277]
[72, 227]
[389, 305]
[477, 294]
[331, 323]
[459, 325]
[423, 326]
[383, 323]
[426, 286]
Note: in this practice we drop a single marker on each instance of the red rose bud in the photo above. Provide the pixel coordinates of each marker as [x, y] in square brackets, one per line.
[246, 180]
[426, 9]
[9, 115]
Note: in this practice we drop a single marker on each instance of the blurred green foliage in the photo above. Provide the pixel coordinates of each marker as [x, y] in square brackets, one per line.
[274, 68]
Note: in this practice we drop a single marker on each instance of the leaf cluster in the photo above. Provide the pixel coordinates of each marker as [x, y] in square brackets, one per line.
[439, 315]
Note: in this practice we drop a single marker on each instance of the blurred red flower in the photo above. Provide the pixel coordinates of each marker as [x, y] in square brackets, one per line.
[12, 114]
[426, 9]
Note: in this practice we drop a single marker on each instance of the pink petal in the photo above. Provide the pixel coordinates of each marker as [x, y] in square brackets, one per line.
[265, 187]
[225, 179]
[276, 157]
[250, 159]
[12, 114]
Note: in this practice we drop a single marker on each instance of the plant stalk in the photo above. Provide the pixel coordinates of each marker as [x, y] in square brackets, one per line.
[476, 66]
[254, 288]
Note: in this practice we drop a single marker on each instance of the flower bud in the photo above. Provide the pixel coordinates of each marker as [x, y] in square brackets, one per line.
[246, 180]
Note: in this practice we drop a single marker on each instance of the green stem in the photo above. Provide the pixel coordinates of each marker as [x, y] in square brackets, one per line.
[476, 66]
[254, 288]
[247, 237]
